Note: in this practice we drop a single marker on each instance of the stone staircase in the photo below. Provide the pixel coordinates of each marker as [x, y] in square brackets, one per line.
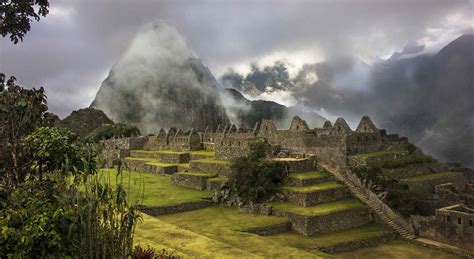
[357, 192]
[318, 205]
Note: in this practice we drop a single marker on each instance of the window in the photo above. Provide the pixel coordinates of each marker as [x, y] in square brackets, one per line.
[459, 220]
[470, 223]
[448, 218]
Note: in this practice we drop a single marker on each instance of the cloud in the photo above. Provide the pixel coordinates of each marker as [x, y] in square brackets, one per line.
[75, 46]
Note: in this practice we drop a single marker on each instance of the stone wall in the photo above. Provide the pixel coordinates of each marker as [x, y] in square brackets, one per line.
[191, 180]
[455, 225]
[352, 245]
[269, 230]
[215, 168]
[313, 225]
[307, 199]
[170, 209]
[430, 185]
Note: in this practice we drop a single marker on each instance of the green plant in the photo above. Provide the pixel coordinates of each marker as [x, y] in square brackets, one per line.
[254, 177]
[53, 203]
[150, 253]
[107, 131]
[16, 15]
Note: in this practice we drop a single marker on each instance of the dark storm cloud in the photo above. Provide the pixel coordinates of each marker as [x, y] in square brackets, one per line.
[70, 51]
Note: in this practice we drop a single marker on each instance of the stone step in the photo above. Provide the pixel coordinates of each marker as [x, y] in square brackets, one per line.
[387, 220]
[317, 193]
[150, 165]
[324, 218]
[339, 241]
[193, 180]
[219, 167]
[164, 156]
[308, 178]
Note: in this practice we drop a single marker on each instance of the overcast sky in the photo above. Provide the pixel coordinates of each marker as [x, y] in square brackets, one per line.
[71, 50]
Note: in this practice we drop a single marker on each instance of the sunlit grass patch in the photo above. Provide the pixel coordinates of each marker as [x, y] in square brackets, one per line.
[152, 189]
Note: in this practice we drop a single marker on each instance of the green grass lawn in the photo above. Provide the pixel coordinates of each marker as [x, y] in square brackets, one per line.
[153, 189]
[308, 175]
[330, 239]
[184, 243]
[378, 153]
[288, 159]
[213, 161]
[168, 152]
[203, 153]
[321, 209]
[197, 174]
[395, 249]
[317, 187]
[224, 225]
[427, 177]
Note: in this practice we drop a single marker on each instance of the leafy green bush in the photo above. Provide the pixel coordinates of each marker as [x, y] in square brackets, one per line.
[52, 203]
[83, 121]
[150, 253]
[254, 177]
[108, 131]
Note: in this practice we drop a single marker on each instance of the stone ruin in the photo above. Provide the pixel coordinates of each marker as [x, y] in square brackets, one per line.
[331, 144]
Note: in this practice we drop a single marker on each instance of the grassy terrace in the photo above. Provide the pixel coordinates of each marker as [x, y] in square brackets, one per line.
[317, 187]
[203, 153]
[197, 174]
[173, 152]
[288, 159]
[168, 152]
[428, 177]
[308, 175]
[225, 225]
[182, 242]
[213, 161]
[152, 189]
[396, 249]
[330, 239]
[378, 153]
[155, 162]
[321, 209]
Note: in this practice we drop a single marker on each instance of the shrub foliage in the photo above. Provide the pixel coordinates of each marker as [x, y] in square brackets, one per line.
[255, 177]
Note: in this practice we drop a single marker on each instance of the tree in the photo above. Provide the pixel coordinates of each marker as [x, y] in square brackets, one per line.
[21, 112]
[16, 16]
[255, 177]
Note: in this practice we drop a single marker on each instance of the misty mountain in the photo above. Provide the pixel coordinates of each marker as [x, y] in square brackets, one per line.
[430, 99]
[158, 84]
[249, 112]
[427, 97]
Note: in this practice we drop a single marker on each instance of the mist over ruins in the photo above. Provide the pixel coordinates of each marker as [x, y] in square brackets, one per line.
[237, 129]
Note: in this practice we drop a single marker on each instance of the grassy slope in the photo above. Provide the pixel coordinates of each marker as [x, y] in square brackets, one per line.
[431, 176]
[308, 175]
[378, 153]
[225, 224]
[395, 249]
[159, 234]
[322, 209]
[330, 239]
[159, 190]
[317, 187]
[213, 161]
